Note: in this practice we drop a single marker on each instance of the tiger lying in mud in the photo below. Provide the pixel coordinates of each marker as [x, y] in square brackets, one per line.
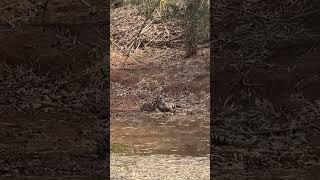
[159, 104]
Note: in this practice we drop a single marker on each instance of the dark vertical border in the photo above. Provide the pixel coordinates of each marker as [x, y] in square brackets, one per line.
[287, 102]
[40, 146]
[212, 94]
[108, 90]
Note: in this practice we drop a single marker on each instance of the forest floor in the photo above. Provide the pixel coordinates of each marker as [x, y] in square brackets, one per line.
[157, 145]
[50, 83]
[265, 83]
[266, 88]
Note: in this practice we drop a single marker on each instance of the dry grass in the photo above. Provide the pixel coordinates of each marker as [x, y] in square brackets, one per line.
[246, 43]
[260, 27]
[27, 90]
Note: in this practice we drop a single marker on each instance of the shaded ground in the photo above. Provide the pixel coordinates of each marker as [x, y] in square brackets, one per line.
[52, 89]
[266, 87]
[49, 144]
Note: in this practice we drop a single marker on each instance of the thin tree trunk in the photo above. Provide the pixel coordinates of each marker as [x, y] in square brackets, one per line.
[191, 29]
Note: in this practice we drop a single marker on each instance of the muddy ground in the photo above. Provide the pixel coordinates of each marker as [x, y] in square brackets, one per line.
[185, 132]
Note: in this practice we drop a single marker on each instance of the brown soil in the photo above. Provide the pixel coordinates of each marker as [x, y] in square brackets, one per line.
[246, 88]
[183, 133]
[48, 140]
[49, 144]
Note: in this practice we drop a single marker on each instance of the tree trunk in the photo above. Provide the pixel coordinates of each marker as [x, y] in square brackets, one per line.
[191, 29]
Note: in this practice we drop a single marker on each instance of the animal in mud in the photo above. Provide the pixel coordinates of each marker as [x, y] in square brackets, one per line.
[164, 106]
[159, 104]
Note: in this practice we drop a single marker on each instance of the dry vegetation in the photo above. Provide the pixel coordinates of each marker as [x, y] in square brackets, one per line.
[155, 69]
[157, 66]
[53, 86]
[266, 88]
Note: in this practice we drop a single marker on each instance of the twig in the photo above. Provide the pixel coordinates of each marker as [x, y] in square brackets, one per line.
[85, 3]
[124, 52]
[11, 24]
[298, 84]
